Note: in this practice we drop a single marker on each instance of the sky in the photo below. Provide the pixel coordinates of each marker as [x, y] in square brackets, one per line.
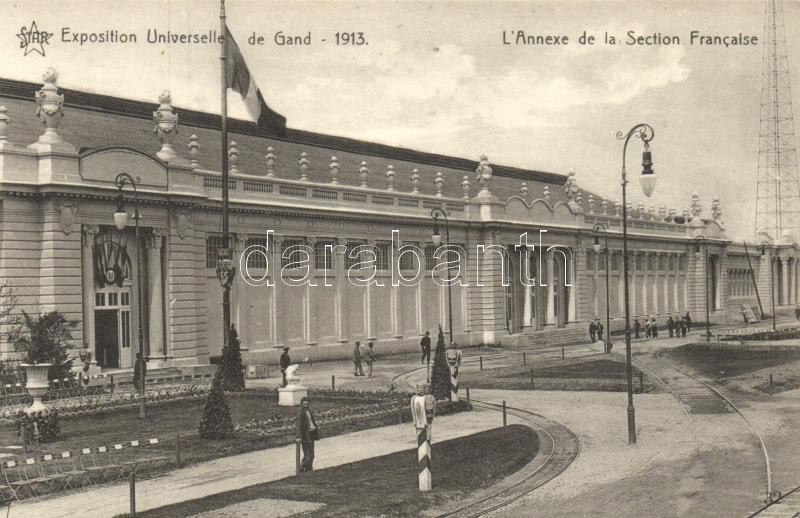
[437, 76]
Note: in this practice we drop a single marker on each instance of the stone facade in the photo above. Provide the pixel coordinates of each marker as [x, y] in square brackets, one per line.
[59, 247]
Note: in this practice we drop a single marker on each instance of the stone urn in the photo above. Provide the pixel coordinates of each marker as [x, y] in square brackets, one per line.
[36, 385]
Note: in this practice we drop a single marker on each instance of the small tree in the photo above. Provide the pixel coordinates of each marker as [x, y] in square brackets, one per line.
[440, 378]
[8, 302]
[232, 366]
[216, 422]
[44, 338]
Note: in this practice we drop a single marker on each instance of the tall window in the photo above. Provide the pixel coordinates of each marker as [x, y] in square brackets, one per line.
[323, 257]
[430, 261]
[662, 262]
[615, 262]
[639, 263]
[408, 259]
[256, 252]
[589, 260]
[382, 256]
[213, 244]
[291, 255]
[357, 256]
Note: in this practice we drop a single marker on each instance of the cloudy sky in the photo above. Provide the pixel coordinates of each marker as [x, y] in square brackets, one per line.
[436, 76]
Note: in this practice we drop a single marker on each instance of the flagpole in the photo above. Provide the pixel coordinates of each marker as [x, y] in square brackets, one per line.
[225, 277]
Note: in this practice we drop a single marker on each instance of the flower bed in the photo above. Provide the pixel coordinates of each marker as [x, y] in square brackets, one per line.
[762, 335]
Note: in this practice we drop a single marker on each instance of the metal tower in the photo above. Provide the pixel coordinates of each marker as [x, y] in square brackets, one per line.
[778, 188]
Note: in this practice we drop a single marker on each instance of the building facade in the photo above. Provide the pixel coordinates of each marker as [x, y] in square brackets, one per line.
[332, 240]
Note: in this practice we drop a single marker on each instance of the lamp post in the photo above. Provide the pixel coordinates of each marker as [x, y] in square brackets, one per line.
[648, 182]
[598, 228]
[121, 220]
[764, 246]
[437, 240]
[698, 240]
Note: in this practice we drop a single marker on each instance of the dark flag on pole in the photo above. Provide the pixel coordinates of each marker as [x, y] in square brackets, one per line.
[238, 78]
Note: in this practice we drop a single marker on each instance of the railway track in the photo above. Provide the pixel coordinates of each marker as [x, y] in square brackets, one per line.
[700, 397]
[563, 447]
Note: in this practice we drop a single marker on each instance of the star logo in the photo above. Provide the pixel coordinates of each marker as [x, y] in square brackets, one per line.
[31, 39]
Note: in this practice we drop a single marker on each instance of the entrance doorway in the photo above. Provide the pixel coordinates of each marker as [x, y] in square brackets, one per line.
[112, 317]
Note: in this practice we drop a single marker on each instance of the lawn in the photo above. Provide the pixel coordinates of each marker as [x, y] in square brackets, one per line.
[387, 485]
[166, 420]
[597, 375]
[729, 360]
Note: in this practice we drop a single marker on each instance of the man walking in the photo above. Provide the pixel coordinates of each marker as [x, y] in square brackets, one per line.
[307, 433]
[599, 327]
[688, 322]
[285, 362]
[357, 369]
[592, 330]
[683, 327]
[425, 344]
[670, 325]
[370, 358]
[637, 327]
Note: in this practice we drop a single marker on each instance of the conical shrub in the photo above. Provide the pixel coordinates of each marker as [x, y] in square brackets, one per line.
[232, 366]
[440, 378]
[216, 422]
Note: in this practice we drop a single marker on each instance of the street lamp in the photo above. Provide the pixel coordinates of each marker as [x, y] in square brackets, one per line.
[764, 246]
[698, 240]
[648, 182]
[121, 220]
[599, 227]
[437, 240]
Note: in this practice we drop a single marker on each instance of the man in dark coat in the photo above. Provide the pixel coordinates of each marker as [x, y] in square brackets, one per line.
[592, 330]
[307, 433]
[636, 327]
[653, 328]
[670, 325]
[688, 322]
[599, 328]
[285, 362]
[425, 345]
[358, 370]
[683, 326]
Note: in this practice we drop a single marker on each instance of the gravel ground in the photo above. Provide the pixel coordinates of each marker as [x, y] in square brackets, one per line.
[707, 465]
[261, 508]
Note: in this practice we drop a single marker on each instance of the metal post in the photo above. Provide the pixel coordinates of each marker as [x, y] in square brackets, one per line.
[297, 457]
[435, 214]
[533, 387]
[771, 386]
[481, 359]
[504, 414]
[641, 131]
[524, 360]
[111, 381]
[468, 399]
[133, 493]
[333, 382]
[562, 352]
[121, 180]
[178, 449]
[708, 317]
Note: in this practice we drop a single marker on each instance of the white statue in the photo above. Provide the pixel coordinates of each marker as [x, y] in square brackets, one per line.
[291, 374]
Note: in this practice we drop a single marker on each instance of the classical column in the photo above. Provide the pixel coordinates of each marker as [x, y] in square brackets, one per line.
[632, 273]
[621, 286]
[645, 278]
[550, 312]
[341, 278]
[571, 291]
[156, 345]
[238, 299]
[87, 283]
[595, 283]
[784, 280]
[526, 304]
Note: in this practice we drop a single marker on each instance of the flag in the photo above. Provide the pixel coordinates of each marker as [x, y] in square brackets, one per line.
[238, 78]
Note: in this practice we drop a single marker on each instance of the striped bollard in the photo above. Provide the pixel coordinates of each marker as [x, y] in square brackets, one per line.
[454, 362]
[423, 408]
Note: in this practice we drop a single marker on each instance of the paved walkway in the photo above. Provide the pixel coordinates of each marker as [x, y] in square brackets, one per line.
[248, 469]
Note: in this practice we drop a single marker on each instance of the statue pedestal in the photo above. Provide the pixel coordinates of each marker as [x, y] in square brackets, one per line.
[291, 395]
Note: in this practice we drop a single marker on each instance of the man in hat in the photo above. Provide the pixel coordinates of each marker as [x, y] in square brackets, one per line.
[285, 362]
[307, 433]
[425, 345]
[370, 357]
[358, 370]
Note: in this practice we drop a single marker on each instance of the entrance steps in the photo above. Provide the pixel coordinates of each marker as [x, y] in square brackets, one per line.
[551, 338]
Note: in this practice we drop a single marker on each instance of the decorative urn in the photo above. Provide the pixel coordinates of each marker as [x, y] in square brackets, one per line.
[36, 385]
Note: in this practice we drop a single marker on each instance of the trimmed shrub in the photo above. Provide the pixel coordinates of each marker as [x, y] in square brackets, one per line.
[44, 338]
[440, 377]
[231, 364]
[38, 428]
[216, 422]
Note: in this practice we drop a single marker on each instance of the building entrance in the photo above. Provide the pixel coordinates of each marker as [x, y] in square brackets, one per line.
[112, 323]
